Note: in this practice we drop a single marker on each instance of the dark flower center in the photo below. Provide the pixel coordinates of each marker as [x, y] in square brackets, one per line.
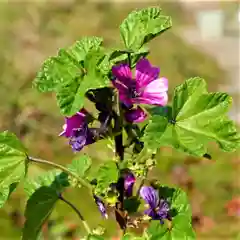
[133, 93]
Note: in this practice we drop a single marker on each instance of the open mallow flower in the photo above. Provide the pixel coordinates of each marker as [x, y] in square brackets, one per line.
[158, 208]
[135, 115]
[145, 88]
[101, 206]
[129, 181]
[76, 129]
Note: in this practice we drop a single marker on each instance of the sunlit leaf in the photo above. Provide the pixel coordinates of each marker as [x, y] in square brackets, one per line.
[54, 179]
[13, 164]
[197, 117]
[107, 174]
[143, 25]
[71, 93]
[66, 66]
[80, 165]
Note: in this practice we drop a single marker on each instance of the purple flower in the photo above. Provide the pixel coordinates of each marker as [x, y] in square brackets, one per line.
[81, 137]
[129, 181]
[73, 123]
[101, 206]
[158, 208]
[77, 130]
[135, 115]
[146, 88]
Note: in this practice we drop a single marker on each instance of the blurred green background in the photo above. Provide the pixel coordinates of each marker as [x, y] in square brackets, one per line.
[33, 30]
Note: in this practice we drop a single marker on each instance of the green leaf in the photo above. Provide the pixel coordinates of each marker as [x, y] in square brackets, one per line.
[180, 226]
[143, 25]
[13, 164]
[43, 193]
[70, 95]
[129, 236]
[39, 208]
[117, 56]
[131, 204]
[54, 179]
[179, 230]
[107, 174]
[81, 48]
[197, 117]
[66, 66]
[178, 201]
[94, 237]
[80, 165]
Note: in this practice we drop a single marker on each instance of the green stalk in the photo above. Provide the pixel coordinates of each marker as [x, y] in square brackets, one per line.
[64, 169]
[85, 224]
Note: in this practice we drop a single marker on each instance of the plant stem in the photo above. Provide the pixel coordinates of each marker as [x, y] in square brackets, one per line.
[118, 125]
[87, 228]
[64, 169]
[142, 183]
[129, 59]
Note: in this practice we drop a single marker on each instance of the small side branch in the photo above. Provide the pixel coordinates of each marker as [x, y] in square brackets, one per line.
[85, 224]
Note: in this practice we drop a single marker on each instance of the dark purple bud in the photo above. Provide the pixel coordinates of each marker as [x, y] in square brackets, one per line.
[129, 181]
[81, 137]
[101, 206]
[135, 115]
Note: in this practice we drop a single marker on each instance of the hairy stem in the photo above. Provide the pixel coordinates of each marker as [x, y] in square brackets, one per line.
[64, 169]
[87, 228]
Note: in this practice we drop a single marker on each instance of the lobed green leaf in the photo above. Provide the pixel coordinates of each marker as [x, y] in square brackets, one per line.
[143, 25]
[196, 118]
[55, 179]
[66, 66]
[13, 164]
[80, 165]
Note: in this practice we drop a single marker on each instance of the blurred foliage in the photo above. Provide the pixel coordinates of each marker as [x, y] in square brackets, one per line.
[32, 31]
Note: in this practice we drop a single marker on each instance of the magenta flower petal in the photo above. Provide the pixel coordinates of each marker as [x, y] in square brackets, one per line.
[150, 196]
[135, 115]
[72, 123]
[159, 85]
[146, 88]
[124, 98]
[153, 99]
[120, 86]
[123, 73]
[76, 129]
[145, 73]
[123, 82]
[155, 92]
